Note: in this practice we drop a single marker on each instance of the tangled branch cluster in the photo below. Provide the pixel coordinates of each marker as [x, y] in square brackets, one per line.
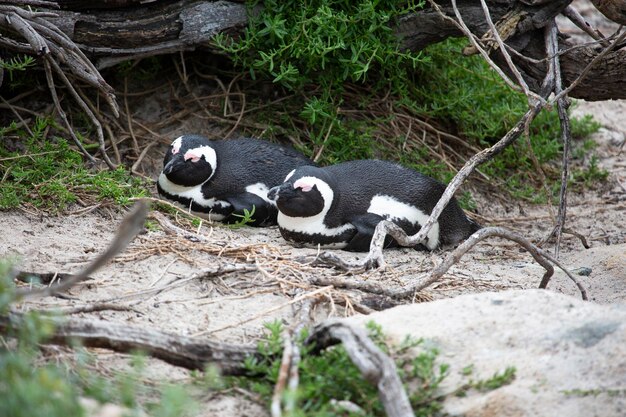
[45, 40]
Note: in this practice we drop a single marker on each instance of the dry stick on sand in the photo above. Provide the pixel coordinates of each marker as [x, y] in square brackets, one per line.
[128, 229]
[542, 257]
[375, 366]
[539, 255]
[264, 313]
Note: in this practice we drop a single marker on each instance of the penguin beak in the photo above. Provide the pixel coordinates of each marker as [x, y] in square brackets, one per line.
[173, 165]
[274, 193]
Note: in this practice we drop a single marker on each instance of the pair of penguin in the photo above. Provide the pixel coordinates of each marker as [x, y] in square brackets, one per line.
[337, 206]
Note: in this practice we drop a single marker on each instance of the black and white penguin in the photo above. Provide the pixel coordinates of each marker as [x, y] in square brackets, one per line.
[218, 179]
[339, 206]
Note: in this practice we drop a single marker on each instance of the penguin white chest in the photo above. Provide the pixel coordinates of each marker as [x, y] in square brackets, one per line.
[313, 225]
[194, 194]
[392, 209]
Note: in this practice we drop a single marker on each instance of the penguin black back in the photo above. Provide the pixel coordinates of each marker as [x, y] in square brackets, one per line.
[357, 195]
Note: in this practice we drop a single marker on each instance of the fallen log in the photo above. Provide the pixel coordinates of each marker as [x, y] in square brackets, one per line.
[113, 31]
[183, 351]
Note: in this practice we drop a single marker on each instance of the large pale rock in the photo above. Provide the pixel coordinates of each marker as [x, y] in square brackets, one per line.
[570, 355]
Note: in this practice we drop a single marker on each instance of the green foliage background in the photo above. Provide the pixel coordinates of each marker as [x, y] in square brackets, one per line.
[316, 48]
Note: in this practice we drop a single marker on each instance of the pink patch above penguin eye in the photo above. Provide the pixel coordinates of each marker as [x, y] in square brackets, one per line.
[193, 156]
[303, 186]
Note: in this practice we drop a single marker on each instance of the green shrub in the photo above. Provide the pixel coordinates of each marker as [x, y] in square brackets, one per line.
[318, 47]
[50, 175]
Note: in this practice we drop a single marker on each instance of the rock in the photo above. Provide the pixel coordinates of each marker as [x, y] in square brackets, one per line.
[570, 355]
[93, 408]
[583, 271]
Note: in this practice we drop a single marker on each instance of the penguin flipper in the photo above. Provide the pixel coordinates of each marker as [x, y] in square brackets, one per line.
[264, 213]
[365, 224]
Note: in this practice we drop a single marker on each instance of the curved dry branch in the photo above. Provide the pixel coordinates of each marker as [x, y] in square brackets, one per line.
[540, 256]
[425, 280]
[128, 229]
[375, 366]
[375, 256]
[46, 40]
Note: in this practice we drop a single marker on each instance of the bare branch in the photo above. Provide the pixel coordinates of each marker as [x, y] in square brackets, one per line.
[460, 23]
[588, 68]
[505, 53]
[375, 255]
[562, 105]
[375, 366]
[128, 229]
[573, 15]
[452, 258]
[187, 352]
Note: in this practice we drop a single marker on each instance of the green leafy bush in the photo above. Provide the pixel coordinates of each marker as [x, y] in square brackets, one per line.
[325, 42]
[331, 375]
[318, 47]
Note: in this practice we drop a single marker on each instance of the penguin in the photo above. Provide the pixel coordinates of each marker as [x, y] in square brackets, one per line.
[220, 179]
[339, 206]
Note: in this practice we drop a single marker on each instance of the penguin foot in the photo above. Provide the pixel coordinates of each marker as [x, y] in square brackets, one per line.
[373, 260]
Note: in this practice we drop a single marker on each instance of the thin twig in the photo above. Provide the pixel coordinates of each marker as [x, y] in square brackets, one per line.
[588, 68]
[460, 24]
[503, 50]
[266, 312]
[572, 14]
[566, 136]
[86, 109]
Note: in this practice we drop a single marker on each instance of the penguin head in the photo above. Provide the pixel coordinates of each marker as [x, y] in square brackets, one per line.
[306, 192]
[190, 160]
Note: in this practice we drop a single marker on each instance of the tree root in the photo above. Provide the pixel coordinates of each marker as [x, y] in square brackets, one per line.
[46, 40]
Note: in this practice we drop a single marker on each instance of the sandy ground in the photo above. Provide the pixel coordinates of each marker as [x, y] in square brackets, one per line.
[153, 276]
